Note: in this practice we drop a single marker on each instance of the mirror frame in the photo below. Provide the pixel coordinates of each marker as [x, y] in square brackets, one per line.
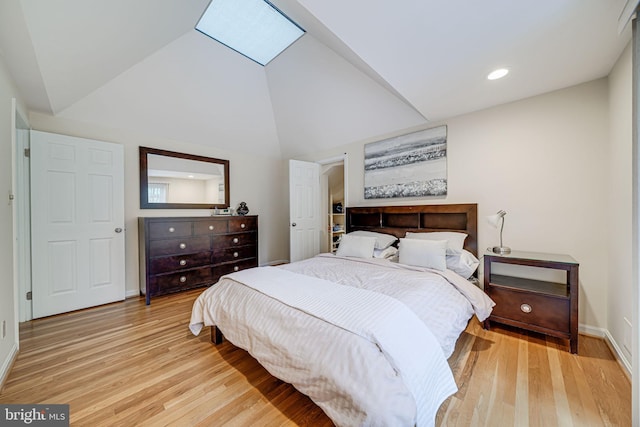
[144, 180]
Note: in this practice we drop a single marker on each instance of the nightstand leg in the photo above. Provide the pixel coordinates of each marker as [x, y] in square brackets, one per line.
[487, 324]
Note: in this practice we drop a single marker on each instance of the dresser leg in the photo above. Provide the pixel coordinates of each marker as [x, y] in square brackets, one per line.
[574, 345]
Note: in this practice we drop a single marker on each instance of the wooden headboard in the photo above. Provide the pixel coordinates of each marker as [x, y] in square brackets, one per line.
[397, 220]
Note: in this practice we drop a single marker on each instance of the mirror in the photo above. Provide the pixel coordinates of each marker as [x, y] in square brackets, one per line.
[170, 180]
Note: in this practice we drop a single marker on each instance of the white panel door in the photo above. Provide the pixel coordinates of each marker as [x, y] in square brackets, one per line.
[304, 209]
[77, 223]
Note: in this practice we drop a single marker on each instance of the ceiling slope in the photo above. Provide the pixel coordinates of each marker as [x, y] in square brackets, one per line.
[437, 54]
[328, 102]
[82, 44]
[192, 90]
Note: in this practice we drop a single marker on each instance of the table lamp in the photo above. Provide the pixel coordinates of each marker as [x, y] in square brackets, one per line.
[494, 220]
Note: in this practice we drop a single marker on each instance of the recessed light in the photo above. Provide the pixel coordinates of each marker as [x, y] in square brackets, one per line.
[498, 74]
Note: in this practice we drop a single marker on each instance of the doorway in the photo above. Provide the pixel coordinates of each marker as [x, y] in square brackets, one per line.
[333, 184]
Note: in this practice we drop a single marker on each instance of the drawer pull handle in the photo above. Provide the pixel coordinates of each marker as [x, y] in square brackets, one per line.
[171, 229]
[183, 279]
[236, 268]
[211, 227]
[235, 240]
[526, 308]
[242, 226]
[183, 246]
[183, 262]
[235, 254]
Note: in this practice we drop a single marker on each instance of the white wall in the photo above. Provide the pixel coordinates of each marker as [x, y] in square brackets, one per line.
[545, 161]
[259, 181]
[8, 314]
[619, 205]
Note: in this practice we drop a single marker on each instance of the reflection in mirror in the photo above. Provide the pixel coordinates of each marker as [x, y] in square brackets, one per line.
[177, 180]
[174, 180]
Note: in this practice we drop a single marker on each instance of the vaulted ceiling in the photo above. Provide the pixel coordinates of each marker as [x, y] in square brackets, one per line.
[363, 69]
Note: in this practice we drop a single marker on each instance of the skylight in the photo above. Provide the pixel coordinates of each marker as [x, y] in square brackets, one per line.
[254, 28]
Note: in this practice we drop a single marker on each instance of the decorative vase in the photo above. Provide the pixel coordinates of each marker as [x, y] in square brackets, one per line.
[242, 209]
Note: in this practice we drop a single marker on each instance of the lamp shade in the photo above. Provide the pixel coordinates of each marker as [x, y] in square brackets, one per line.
[494, 219]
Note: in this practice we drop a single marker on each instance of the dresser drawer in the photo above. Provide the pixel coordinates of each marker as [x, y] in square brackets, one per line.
[230, 254]
[183, 280]
[231, 240]
[179, 246]
[237, 224]
[178, 262]
[221, 270]
[160, 230]
[211, 226]
[545, 311]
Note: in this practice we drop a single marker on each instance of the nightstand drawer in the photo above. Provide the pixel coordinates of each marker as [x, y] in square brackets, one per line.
[533, 309]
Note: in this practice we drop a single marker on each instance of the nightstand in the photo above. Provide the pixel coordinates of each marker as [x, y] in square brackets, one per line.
[542, 306]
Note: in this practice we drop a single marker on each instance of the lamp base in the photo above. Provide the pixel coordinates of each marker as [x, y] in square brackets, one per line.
[502, 250]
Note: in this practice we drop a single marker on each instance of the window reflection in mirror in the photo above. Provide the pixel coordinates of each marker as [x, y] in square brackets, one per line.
[176, 180]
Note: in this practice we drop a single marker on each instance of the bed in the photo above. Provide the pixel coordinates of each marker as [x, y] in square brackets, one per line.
[366, 338]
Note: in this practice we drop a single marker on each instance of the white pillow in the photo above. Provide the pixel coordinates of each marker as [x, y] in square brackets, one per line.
[465, 263]
[356, 246]
[390, 252]
[383, 240]
[424, 253]
[455, 240]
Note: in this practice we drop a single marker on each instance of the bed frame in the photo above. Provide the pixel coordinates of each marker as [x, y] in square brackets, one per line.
[397, 220]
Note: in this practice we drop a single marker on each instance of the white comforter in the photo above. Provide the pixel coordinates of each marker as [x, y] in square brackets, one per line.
[346, 370]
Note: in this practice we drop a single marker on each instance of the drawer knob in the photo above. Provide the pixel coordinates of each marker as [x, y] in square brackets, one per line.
[183, 262]
[235, 254]
[236, 268]
[242, 226]
[171, 229]
[211, 227]
[183, 246]
[183, 279]
[526, 308]
[235, 240]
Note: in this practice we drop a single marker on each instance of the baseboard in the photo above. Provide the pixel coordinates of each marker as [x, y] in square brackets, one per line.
[617, 351]
[131, 294]
[611, 343]
[8, 363]
[592, 331]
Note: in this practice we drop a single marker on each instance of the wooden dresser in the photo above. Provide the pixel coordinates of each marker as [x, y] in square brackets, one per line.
[179, 253]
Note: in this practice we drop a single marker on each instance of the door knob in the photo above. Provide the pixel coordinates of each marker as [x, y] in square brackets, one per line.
[293, 225]
[118, 230]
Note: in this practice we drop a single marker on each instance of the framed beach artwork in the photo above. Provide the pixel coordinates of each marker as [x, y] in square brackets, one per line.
[411, 165]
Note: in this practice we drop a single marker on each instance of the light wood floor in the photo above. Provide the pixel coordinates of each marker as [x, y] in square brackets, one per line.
[127, 364]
